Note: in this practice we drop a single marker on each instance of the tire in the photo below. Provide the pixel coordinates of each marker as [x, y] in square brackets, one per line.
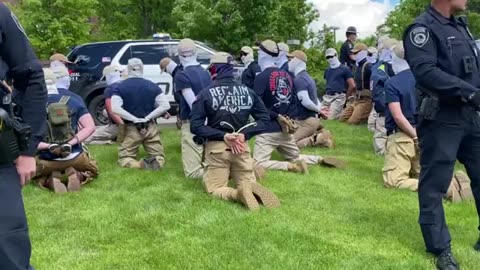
[96, 107]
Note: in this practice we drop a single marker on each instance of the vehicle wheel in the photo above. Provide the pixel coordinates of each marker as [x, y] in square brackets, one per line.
[96, 107]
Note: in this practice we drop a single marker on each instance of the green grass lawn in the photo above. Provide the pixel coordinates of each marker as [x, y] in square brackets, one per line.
[330, 219]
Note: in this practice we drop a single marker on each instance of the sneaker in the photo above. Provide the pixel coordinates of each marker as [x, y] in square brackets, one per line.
[298, 167]
[151, 164]
[246, 197]
[73, 180]
[332, 163]
[446, 261]
[265, 196]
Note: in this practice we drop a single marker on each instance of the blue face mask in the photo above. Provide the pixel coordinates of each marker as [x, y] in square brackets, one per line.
[222, 71]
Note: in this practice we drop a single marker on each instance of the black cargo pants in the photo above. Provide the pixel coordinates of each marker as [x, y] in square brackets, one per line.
[15, 246]
[454, 134]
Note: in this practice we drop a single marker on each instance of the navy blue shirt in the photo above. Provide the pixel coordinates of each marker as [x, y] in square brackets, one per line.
[249, 74]
[401, 88]
[108, 93]
[275, 88]
[77, 110]
[381, 72]
[337, 79]
[303, 82]
[227, 101]
[68, 93]
[194, 77]
[138, 96]
[363, 74]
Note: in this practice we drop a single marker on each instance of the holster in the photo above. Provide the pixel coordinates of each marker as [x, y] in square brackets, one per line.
[429, 108]
[14, 137]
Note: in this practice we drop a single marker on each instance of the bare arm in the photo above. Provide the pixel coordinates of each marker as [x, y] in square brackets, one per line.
[351, 87]
[401, 121]
[88, 129]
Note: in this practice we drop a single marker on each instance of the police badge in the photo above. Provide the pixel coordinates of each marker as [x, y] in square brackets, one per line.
[419, 36]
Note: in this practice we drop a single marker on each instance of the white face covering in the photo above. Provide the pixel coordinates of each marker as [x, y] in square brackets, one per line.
[170, 67]
[51, 87]
[113, 77]
[57, 64]
[265, 60]
[281, 59]
[334, 62]
[247, 59]
[188, 60]
[296, 66]
[372, 59]
[386, 55]
[399, 64]
[362, 55]
[63, 82]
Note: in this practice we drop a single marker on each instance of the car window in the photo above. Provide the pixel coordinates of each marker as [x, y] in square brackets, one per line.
[92, 54]
[150, 54]
[126, 56]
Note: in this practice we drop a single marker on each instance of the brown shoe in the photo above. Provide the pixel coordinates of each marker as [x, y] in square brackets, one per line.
[298, 167]
[73, 180]
[324, 139]
[265, 196]
[55, 184]
[464, 186]
[260, 172]
[332, 163]
[245, 196]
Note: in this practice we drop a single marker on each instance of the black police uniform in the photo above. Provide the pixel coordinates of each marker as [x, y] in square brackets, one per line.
[445, 61]
[27, 74]
[345, 53]
[249, 74]
[231, 102]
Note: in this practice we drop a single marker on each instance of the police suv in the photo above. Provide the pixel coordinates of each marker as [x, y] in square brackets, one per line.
[90, 59]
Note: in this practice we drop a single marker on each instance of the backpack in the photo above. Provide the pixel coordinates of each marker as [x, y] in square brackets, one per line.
[380, 74]
[59, 122]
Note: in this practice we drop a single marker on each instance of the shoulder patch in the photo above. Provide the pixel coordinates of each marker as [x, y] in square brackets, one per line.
[419, 36]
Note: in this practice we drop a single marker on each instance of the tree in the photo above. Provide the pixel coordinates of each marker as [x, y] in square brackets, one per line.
[53, 25]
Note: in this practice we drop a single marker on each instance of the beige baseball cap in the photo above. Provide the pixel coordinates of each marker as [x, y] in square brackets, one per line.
[299, 54]
[186, 47]
[247, 49]
[111, 69]
[330, 52]
[59, 57]
[221, 58]
[359, 47]
[399, 50]
[164, 63]
[372, 50]
[283, 47]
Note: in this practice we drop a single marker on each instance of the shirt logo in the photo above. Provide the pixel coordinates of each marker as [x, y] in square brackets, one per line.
[281, 88]
[232, 100]
[419, 36]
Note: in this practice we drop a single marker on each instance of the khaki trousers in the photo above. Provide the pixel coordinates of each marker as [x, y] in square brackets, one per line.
[82, 163]
[222, 165]
[402, 163]
[192, 154]
[285, 144]
[103, 135]
[372, 120]
[128, 150]
[358, 112]
[335, 103]
[380, 136]
[306, 130]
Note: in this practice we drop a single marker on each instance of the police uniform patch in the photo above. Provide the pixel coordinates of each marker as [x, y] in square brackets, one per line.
[419, 36]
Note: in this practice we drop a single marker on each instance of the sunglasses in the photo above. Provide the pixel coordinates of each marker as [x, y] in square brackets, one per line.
[243, 54]
[329, 57]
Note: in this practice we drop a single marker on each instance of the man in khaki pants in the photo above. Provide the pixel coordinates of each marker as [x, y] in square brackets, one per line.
[188, 84]
[139, 102]
[275, 87]
[358, 110]
[402, 159]
[306, 106]
[227, 105]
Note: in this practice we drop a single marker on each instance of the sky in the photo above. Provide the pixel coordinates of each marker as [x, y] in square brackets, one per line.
[366, 15]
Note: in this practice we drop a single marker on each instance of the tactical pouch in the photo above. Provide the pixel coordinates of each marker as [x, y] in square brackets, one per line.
[59, 121]
[429, 108]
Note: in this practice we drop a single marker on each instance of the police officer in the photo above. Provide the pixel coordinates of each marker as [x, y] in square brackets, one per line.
[275, 87]
[346, 56]
[107, 133]
[226, 106]
[27, 75]
[252, 69]
[381, 72]
[139, 102]
[445, 61]
[188, 83]
[360, 109]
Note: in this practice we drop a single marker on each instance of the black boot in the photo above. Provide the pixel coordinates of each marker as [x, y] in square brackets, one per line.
[446, 261]
[477, 246]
